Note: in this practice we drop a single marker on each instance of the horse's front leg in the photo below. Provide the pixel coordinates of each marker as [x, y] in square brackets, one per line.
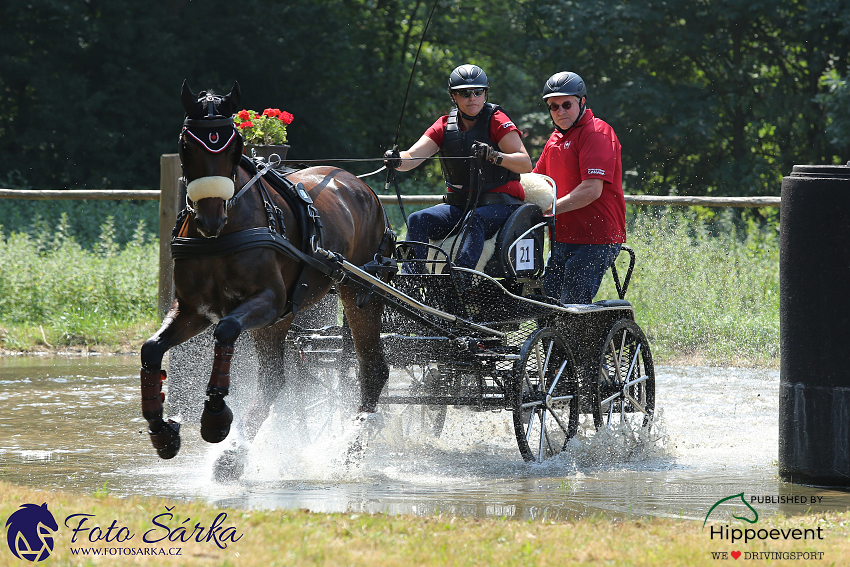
[179, 325]
[258, 311]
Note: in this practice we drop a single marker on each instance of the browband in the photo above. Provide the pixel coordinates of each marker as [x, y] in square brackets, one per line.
[216, 122]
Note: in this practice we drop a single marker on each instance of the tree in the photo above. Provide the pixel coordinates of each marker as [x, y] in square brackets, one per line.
[707, 96]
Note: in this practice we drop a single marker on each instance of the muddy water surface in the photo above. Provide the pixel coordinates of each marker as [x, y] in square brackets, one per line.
[74, 424]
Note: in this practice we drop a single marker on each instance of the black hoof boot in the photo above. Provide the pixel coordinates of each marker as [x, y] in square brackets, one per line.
[215, 425]
[167, 440]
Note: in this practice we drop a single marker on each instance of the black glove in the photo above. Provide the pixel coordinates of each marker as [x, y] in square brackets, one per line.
[484, 151]
[392, 159]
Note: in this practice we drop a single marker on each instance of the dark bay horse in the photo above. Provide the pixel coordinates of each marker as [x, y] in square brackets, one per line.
[256, 286]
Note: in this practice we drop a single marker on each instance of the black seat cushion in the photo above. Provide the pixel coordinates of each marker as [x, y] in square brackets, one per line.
[504, 260]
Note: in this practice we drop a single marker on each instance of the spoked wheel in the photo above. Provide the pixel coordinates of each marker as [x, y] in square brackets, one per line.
[624, 391]
[425, 418]
[545, 397]
[324, 397]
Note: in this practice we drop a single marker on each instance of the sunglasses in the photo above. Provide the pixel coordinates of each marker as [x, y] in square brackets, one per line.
[466, 93]
[554, 106]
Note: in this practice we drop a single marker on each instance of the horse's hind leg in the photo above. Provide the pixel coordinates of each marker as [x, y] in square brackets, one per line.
[270, 344]
[365, 323]
[177, 327]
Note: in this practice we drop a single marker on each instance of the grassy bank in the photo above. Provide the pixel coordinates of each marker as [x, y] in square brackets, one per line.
[705, 288]
[296, 538]
[55, 292]
[701, 288]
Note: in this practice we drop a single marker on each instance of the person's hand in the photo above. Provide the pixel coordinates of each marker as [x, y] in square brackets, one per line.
[485, 151]
[392, 159]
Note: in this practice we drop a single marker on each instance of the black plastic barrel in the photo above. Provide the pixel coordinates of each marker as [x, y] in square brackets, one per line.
[814, 279]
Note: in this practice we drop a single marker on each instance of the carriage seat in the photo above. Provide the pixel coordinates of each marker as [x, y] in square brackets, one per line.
[539, 196]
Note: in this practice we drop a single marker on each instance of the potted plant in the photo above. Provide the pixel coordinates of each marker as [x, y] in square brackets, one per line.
[264, 134]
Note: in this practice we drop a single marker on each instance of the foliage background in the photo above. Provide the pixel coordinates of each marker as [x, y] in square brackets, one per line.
[708, 96]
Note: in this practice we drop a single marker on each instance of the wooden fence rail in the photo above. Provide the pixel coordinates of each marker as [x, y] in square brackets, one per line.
[172, 196]
[154, 195]
[80, 194]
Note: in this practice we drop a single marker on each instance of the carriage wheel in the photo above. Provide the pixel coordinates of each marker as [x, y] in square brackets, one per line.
[624, 390]
[545, 397]
[323, 395]
[424, 381]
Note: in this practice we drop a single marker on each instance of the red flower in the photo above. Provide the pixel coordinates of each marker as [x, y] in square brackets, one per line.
[246, 124]
[243, 115]
[271, 112]
[286, 117]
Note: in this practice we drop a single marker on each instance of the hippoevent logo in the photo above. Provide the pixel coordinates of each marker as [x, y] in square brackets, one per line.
[747, 535]
[29, 532]
[32, 530]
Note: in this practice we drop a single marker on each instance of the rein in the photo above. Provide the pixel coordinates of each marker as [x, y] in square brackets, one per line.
[262, 168]
[273, 236]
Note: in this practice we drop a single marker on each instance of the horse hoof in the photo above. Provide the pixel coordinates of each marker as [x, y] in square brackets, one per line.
[215, 426]
[230, 464]
[167, 440]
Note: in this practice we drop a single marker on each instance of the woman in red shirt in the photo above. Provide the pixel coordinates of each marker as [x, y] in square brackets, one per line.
[473, 127]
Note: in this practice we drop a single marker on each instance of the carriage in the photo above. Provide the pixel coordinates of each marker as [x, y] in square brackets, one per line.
[486, 339]
[490, 341]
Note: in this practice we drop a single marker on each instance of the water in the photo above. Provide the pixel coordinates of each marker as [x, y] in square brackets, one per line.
[75, 424]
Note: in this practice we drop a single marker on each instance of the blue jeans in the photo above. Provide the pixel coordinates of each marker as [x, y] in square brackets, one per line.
[437, 222]
[574, 272]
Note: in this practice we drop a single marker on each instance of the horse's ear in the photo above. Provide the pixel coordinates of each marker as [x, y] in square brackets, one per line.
[188, 98]
[233, 100]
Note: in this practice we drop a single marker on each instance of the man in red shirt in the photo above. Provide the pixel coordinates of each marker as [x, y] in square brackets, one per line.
[473, 127]
[583, 157]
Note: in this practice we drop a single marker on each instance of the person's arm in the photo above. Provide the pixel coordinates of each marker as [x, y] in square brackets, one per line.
[514, 156]
[585, 193]
[425, 147]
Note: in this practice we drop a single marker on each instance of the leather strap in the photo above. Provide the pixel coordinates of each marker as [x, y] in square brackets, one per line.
[459, 199]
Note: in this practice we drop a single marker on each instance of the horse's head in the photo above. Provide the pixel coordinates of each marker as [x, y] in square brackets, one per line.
[210, 150]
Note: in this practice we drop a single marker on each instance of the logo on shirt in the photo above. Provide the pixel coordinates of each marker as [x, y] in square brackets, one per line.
[567, 144]
[507, 125]
[592, 171]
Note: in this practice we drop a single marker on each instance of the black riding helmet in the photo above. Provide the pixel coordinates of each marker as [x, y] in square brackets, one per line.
[468, 77]
[565, 83]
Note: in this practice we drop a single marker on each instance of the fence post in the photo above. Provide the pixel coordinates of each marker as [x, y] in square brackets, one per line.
[171, 199]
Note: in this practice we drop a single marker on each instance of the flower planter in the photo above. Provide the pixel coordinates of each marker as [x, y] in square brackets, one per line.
[265, 151]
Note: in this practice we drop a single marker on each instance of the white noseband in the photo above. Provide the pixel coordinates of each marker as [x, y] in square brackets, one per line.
[214, 186]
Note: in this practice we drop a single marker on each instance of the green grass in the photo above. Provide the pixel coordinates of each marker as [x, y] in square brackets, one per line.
[705, 288]
[288, 538]
[81, 219]
[55, 292]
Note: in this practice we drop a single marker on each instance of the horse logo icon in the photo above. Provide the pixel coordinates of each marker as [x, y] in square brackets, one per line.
[741, 496]
[30, 532]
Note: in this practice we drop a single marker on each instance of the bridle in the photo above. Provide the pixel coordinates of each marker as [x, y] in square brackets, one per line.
[215, 134]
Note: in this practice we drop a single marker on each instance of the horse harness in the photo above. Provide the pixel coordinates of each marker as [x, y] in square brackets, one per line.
[274, 235]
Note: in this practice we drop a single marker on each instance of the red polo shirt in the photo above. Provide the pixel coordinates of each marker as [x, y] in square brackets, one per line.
[590, 149]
